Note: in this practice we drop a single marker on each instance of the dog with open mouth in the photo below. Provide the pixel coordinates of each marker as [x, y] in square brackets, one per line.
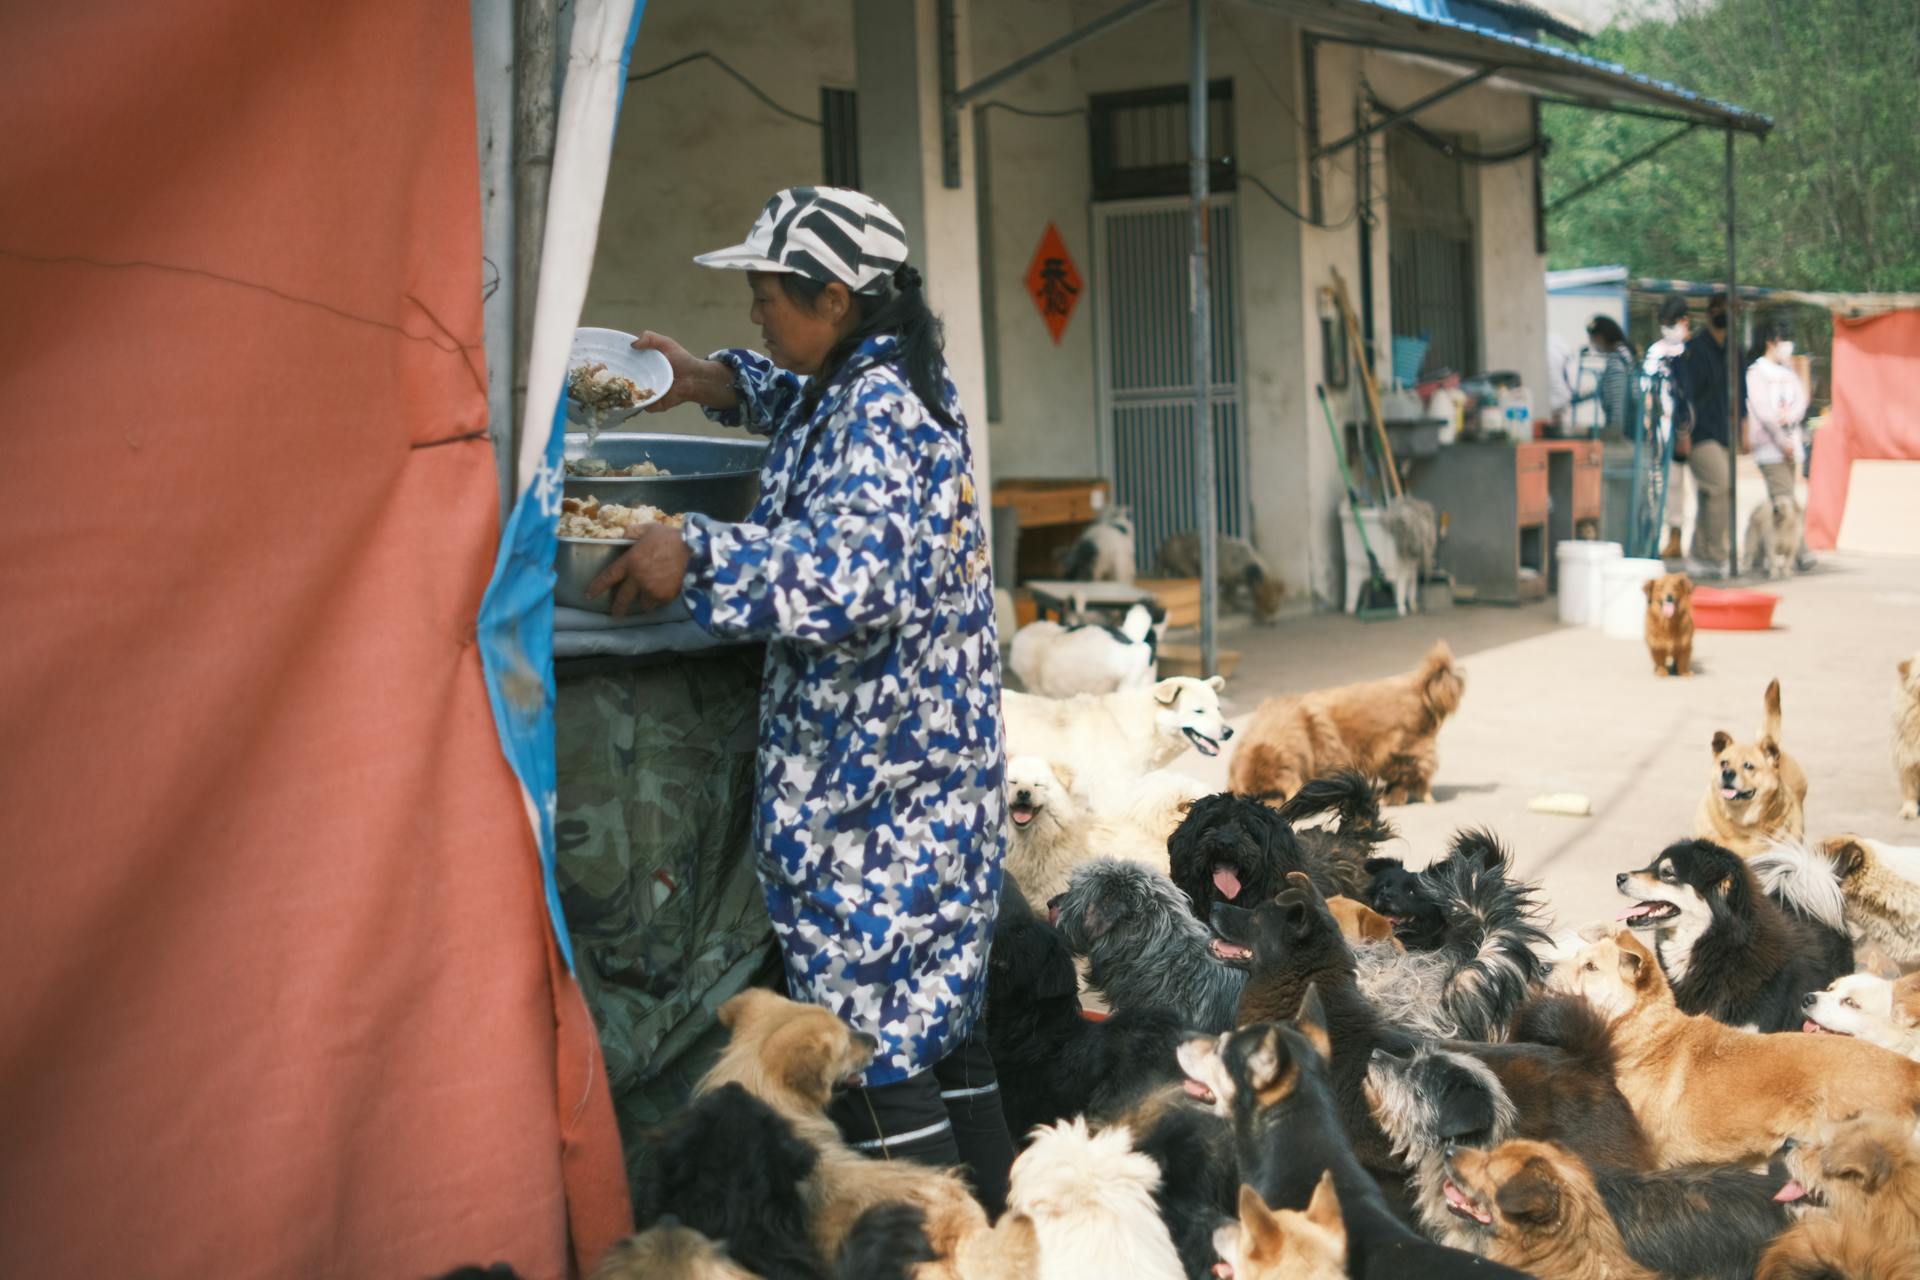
[1757, 793]
[1233, 849]
[1860, 1184]
[1540, 1211]
[1707, 1092]
[1270, 1079]
[1112, 740]
[1728, 949]
[1870, 1008]
[1386, 729]
[1050, 832]
[1466, 908]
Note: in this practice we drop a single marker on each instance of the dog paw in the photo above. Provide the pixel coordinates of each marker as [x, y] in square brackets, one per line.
[1910, 810]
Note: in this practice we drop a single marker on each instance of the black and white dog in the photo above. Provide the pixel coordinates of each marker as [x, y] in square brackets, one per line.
[1729, 949]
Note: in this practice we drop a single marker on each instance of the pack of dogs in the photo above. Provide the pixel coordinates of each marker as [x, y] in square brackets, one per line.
[1240, 1036]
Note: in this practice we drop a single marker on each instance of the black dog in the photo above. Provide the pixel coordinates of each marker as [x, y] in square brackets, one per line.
[1466, 907]
[886, 1242]
[1199, 1174]
[1239, 850]
[731, 1168]
[1271, 1079]
[1052, 1063]
[1728, 949]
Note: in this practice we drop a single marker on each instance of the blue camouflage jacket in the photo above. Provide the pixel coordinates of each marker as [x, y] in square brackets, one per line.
[879, 818]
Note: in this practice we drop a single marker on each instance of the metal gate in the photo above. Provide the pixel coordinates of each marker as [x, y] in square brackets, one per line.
[1143, 348]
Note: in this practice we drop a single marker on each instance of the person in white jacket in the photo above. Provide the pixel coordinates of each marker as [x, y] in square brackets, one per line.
[1777, 409]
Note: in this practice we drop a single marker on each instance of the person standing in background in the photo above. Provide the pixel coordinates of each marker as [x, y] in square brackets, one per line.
[1777, 403]
[1617, 408]
[1676, 324]
[1702, 377]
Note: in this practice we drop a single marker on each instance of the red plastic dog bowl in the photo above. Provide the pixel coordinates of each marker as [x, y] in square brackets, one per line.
[1731, 609]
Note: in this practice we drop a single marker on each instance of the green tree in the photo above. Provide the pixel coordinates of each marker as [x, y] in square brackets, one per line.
[1830, 200]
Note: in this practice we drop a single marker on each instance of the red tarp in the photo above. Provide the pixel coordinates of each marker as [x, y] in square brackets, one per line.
[279, 996]
[1876, 412]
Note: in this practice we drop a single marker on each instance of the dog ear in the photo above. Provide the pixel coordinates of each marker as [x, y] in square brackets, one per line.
[1260, 1224]
[1685, 587]
[1098, 921]
[1216, 683]
[1771, 749]
[1374, 866]
[1064, 773]
[1906, 667]
[1721, 741]
[743, 1004]
[806, 1056]
[1848, 855]
[1531, 1195]
[1906, 1000]
[1167, 692]
[1646, 588]
[1864, 1162]
[1324, 1209]
[1311, 1022]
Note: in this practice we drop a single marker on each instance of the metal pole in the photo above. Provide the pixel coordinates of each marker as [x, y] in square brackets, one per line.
[534, 123]
[1202, 323]
[492, 26]
[1734, 378]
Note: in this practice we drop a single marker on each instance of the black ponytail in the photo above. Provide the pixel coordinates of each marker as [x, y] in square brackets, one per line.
[900, 310]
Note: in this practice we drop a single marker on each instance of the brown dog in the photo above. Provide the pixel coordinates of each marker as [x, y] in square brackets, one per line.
[1670, 624]
[1285, 1244]
[1540, 1212]
[1383, 728]
[1361, 923]
[1757, 794]
[1906, 737]
[1708, 1092]
[791, 1056]
[1864, 1178]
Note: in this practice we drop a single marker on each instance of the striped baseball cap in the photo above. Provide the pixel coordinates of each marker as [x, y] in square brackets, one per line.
[827, 234]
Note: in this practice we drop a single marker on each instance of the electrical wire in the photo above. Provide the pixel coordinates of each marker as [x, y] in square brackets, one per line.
[1448, 147]
[1275, 197]
[727, 67]
[1029, 111]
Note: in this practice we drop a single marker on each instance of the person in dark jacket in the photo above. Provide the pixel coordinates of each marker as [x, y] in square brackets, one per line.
[1701, 372]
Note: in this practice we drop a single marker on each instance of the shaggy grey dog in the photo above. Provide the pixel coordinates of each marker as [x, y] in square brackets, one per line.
[1145, 949]
[1426, 1101]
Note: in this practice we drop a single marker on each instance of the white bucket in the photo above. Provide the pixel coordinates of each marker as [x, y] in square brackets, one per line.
[1580, 564]
[1623, 599]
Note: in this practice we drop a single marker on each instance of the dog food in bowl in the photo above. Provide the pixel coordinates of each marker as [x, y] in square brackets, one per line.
[598, 468]
[592, 518]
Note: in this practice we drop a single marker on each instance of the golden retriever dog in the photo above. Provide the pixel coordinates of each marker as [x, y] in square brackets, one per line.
[1757, 794]
[1862, 1179]
[1881, 885]
[1285, 1244]
[1670, 624]
[1540, 1212]
[1906, 736]
[1383, 728]
[1051, 833]
[1090, 1196]
[668, 1252]
[1706, 1092]
[790, 1056]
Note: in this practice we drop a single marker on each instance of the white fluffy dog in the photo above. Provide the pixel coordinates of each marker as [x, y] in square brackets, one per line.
[1111, 740]
[1052, 835]
[1104, 550]
[1057, 661]
[1871, 1009]
[1090, 1196]
[1160, 799]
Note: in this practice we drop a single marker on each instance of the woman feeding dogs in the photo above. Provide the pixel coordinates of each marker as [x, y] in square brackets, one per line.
[878, 826]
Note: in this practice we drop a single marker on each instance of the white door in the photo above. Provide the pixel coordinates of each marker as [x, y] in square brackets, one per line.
[1144, 355]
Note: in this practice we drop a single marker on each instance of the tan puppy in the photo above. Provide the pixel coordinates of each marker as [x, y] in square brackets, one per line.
[1906, 736]
[1285, 1244]
[1383, 728]
[1052, 833]
[1881, 884]
[1757, 794]
[1863, 1176]
[1361, 923]
[1670, 624]
[1540, 1211]
[1705, 1091]
[791, 1056]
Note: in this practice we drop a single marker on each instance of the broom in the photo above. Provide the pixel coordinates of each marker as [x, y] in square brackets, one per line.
[1376, 596]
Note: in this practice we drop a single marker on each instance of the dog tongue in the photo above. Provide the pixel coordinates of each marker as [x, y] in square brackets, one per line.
[1729, 792]
[1666, 610]
[1197, 1090]
[1226, 882]
[1791, 1192]
[1813, 1028]
[1458, 1199]
[1635, 911]
[1223, 1270]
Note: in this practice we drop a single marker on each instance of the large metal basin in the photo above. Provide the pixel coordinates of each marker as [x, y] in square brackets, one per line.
[579, 561]
[715, 477]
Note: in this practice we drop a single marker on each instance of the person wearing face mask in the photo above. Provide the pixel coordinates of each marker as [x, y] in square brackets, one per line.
[1777, 407]
[1701, 374]
[879, 818]
[1664, 398]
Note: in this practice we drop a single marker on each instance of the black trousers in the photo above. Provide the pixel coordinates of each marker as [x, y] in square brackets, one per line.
[950, 1115]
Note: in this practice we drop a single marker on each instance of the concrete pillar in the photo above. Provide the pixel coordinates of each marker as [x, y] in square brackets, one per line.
[897, 75]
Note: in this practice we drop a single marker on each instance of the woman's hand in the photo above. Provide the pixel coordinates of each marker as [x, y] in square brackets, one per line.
[649, 574]
[707, 383]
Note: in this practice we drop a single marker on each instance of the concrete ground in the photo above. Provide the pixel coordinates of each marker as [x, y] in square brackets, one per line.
[1564, 709]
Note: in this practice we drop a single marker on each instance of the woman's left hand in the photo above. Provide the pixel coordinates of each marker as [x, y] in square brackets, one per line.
[648, 575]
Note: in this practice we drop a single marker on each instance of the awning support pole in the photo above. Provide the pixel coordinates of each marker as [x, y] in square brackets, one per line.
[1734, 377]
[1202, 327]
[1645, 153]
[1404, 113]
